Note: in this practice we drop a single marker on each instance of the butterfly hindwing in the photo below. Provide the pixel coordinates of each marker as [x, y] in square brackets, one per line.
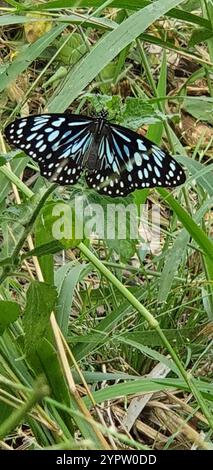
[57, 142]
[129, 162]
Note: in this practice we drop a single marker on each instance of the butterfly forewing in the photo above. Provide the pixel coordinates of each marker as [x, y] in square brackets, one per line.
[57, 142]
[130, 161]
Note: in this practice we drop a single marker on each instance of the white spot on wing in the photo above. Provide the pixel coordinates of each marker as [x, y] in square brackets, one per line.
[31, 137]
[172, 166]
[124, 137]
[58, 122]
[53, 136]
[141, 145]
[156, 171]
[138, 159]
[146, 174]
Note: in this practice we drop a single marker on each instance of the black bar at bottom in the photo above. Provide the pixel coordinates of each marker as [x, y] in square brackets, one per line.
[89, 458]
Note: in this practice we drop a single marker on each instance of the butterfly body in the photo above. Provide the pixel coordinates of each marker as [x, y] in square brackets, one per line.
[116, 160]
[90, 159]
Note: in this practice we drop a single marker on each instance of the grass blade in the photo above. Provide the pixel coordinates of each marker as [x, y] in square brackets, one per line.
[105, 51]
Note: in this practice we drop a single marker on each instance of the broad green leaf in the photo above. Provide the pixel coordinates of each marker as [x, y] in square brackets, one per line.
[49, 360]
[4, 158]
[107, 77]
[9, 312]
[2, 161]
[200, 35]
[59, 222]
[201, 108]
[40, 301]
[137, 112]
[66, 279]
[124, 248]
[40, 347]
[115, 221]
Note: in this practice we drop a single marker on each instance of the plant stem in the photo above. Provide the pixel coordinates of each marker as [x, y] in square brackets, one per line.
[14, 179]
[40, 391]
[13, 257]
[110, 276]
[32, 220]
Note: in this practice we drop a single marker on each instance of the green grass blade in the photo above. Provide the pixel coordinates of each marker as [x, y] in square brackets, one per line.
[192, 228]
[127, 4]
[147, 386]
[105, 51]
[155, 131]
[66, 279]
[176, 254]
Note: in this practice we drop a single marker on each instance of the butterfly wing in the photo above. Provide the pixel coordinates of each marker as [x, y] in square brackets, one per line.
[57, 142]
[130, 161]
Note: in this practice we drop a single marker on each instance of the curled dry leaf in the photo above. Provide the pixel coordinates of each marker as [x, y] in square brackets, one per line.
[16, 94]
[35, 29]
[193, 131]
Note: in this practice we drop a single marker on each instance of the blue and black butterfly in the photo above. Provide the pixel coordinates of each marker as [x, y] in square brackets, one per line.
[116, 160]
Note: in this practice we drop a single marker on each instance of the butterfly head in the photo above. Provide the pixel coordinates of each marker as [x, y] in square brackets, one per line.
[103, 114]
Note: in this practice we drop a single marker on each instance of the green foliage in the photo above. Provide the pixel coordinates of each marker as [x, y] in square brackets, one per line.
[59, 219]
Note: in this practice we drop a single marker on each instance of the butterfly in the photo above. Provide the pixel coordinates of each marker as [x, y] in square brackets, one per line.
[116, 160]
